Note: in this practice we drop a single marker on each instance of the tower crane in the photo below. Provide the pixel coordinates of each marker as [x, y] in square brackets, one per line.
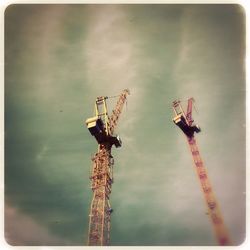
[102, 127]
[185, 122]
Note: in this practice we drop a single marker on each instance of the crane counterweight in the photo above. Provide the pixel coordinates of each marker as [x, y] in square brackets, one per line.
[188, 130]
[97, 129]
[185, 121]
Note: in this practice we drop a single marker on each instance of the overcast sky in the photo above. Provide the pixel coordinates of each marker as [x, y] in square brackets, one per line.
[59, 58]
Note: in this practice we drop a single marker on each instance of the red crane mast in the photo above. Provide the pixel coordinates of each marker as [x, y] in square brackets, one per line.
[102, 127]
[185, 122]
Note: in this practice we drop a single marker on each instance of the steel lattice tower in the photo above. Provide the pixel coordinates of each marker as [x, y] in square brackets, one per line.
[185, 122]
[102, 127]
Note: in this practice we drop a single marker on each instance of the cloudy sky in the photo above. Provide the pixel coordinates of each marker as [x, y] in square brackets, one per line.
[59, 58]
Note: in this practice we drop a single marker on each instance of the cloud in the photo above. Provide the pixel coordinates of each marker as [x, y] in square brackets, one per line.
[20, 229]
[112, 62]
[109, 50]
[42, 153]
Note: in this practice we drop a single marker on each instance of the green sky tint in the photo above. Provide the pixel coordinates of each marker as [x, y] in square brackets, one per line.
[59, 58]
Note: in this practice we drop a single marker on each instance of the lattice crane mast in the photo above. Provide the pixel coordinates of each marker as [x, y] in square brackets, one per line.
[102, 127]
[185, 122]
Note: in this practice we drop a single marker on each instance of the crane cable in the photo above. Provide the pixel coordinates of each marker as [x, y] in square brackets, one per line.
[196, 110]
[115, 96]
